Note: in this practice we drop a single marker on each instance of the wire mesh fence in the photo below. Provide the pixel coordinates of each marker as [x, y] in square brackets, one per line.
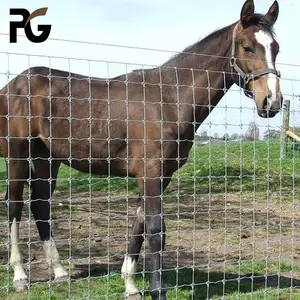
[230, 208]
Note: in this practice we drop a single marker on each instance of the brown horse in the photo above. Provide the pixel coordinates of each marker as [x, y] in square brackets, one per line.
[139, 124]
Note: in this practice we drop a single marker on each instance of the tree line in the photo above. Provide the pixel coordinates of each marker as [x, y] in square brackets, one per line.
[252, 133]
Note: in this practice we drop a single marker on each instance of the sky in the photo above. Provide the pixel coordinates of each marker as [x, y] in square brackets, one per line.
[156, 24]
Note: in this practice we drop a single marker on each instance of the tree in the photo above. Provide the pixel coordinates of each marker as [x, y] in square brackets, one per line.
[216, 135]
[271, 134]
[242, 137]
[197, 138]
[225, 137]
[252, 132]
[204, 135]
[234, 136]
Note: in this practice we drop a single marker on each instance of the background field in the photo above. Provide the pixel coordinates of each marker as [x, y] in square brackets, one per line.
[232, 229]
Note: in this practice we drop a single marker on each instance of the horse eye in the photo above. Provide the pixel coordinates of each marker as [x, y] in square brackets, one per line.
[248, 49]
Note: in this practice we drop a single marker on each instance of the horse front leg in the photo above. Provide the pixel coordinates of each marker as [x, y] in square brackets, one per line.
[129, 266]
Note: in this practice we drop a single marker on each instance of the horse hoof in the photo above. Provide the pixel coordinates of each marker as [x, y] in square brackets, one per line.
[136, 296]
[20, 285]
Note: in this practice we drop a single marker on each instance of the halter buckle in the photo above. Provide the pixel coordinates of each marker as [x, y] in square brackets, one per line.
[232, 61]
[247, 78]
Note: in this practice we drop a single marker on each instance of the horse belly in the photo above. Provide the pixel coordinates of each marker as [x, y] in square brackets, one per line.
[94, 156]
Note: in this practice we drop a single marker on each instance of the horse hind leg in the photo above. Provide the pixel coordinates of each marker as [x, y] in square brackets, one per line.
[155, 229]
[40, 205]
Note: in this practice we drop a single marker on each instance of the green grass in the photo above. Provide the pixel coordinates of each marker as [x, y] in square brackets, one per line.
[234, 168]
[3, 175]
[248, 281]
[262, 267]
[241, 167]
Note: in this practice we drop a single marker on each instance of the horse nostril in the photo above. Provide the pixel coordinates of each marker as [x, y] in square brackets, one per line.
[266, 104]
[269, 94]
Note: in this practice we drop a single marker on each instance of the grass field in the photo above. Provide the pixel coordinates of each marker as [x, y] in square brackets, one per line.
[247, 183]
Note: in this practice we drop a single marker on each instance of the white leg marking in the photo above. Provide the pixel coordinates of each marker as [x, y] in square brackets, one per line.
[52, 258]
[128, 269]
[266, 41]
[16, 256]
[140, 212]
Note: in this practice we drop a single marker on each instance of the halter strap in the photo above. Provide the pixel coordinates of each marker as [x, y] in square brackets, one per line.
[249, 76]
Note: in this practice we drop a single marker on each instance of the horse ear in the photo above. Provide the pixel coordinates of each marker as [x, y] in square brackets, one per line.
[247, 12]
[273, 12]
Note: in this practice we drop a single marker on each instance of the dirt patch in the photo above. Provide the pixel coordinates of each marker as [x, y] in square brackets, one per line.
[206, 232]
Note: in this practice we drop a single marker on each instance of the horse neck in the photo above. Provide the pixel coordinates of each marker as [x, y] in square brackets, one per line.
[205, 74]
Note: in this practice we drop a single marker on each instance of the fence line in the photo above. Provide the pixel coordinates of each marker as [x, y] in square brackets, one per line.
[140, 48]
[232, 210]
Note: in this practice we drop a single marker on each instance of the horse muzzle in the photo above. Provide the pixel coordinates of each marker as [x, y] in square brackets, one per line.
[270, 108]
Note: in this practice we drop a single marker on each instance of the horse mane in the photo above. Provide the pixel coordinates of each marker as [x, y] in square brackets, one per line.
[210, 45]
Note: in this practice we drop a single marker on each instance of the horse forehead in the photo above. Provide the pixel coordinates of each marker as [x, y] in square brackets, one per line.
[264, 38]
